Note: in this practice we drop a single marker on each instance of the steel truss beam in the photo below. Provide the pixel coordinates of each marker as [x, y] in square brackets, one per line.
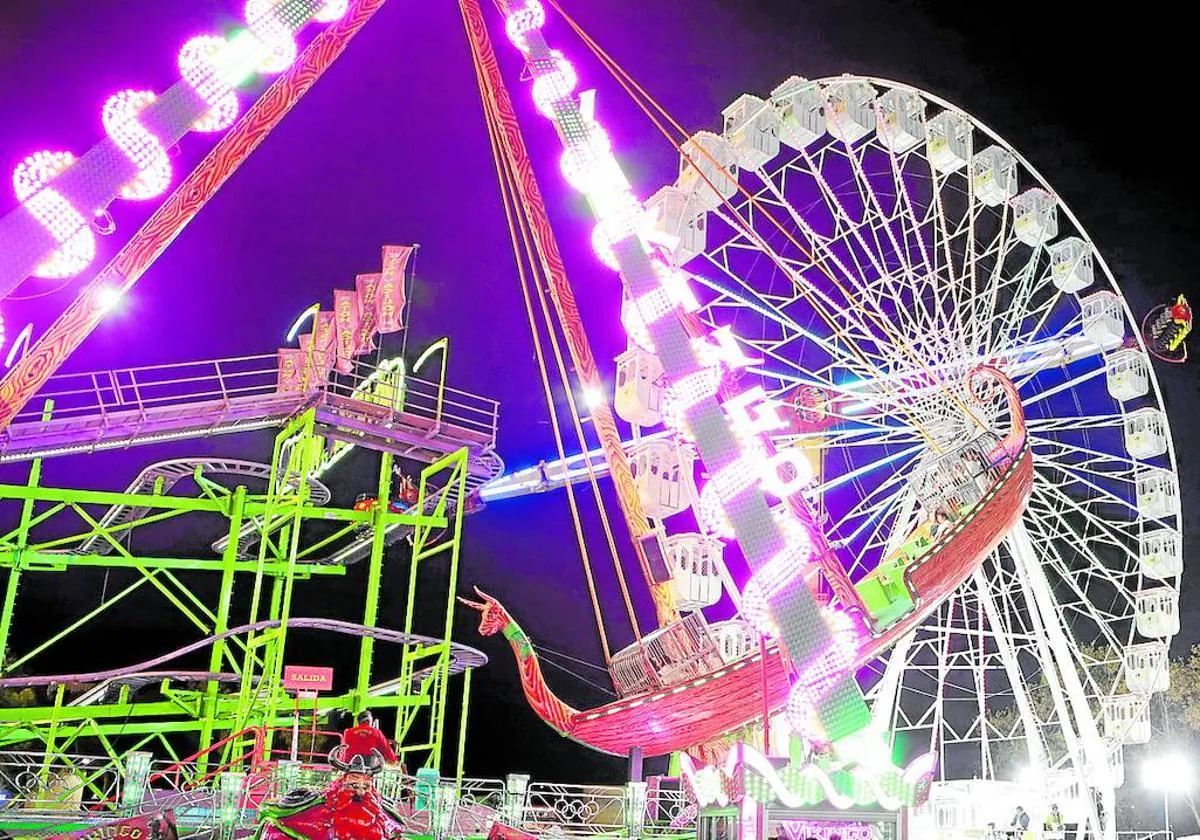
[247, 646]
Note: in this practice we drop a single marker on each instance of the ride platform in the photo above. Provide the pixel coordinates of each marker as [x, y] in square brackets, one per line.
[94, 411]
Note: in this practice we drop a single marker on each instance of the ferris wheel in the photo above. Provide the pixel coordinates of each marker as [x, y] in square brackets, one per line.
[871, 246]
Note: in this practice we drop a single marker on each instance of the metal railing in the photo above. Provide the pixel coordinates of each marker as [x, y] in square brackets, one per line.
[81, 789]
[418, 398]
[573, 810]
[676, 653]
[67, 784]
[224, 381]
[152, 386]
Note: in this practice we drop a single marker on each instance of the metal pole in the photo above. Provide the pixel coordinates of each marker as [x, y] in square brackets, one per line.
[366, 650]
[1167, 809]
[14, 574]
[312, 744]
[216, 660]
[442, 344]
[462, 727]
[766, 699]
[296, 728]
[456, 491]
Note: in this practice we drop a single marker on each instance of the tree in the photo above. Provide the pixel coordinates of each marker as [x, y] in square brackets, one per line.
[1175, 715]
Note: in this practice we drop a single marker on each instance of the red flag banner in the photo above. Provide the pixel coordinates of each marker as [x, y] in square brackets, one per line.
[389, 296]
[324, 330]
[346, 319]
[291, 371]
[322, 361]
[366, 284]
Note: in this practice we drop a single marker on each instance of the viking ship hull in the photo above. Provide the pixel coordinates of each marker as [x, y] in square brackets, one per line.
[708, 707]
[705, 708]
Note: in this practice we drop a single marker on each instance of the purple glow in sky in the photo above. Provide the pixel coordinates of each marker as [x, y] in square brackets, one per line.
[391, 147]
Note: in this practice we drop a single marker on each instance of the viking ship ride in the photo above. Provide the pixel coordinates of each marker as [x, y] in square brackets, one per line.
[691, 683]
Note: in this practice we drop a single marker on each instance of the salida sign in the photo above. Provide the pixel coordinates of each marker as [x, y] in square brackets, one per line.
[307, 678]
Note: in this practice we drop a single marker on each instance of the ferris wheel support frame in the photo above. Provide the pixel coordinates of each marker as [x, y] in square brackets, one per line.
[884, 695]
[1058, 311]
[1012, 669]
[1085, 748]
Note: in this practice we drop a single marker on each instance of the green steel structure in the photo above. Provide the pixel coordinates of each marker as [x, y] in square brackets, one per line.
[276, 540]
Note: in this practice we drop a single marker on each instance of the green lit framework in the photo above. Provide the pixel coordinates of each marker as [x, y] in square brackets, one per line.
[233, 726]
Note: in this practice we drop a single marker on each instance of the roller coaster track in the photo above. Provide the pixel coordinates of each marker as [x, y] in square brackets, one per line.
[361, 546]
[162, 476]
[462, 657]
[171, 473]
[102, 692]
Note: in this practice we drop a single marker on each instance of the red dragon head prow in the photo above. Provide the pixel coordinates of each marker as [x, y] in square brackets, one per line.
[492, 616]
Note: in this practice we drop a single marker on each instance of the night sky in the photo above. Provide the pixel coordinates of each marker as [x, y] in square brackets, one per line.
[390, 147]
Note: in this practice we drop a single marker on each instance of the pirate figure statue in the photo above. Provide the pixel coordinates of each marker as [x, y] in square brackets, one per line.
[350, 808]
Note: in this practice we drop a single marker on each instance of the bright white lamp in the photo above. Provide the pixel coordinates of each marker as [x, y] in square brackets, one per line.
[1170, 773]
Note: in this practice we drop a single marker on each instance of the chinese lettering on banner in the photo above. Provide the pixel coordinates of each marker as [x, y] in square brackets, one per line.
[365, 285]
[346, 323]
[389, 295]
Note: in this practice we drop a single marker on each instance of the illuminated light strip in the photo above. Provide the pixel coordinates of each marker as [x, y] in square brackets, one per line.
[135, 258]
[768, 582]
[21, 342]
[199, 101]
[144, 150]
[302, 319]
[200, 62]
[331, 11]
[885, 799]
[441, 344]
[709, 780]
[555, 80]
[803, 629]
[691, 389]
[55, 213]
[265, 21]
[818, 678]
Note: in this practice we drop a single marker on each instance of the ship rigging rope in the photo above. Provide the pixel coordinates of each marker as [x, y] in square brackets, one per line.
[646, 102]
[592, 683]
[509, 212]
[553, 327]
[517, 217]
[577, 423]
[552, 317]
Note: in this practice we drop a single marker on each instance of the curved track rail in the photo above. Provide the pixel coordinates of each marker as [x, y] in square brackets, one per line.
[360, 547]
[172, 472]
[463, 657]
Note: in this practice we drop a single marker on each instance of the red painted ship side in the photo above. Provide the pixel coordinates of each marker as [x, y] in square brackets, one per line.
[722, 701]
